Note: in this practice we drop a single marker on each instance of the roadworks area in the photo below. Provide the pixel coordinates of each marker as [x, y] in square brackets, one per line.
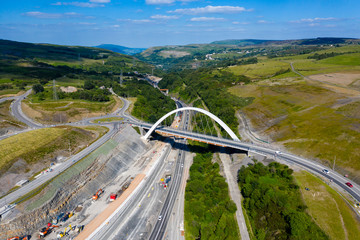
[111, 168]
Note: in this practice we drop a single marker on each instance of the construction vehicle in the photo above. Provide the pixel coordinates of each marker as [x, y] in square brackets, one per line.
[97, 194]
[19, 238]
[58, 217]
[113, 197]
[63, 234]
[46, 230]
[122, 190]
[79, 228]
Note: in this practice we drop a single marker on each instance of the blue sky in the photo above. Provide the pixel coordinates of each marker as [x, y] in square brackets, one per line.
[146, 23]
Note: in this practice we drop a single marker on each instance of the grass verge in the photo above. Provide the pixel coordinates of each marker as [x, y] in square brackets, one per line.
[37, 145]
[328, 209]
[106, 120]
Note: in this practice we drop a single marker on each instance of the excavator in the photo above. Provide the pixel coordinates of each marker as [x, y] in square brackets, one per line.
[97, 194]
[19, 238]
[46, 230]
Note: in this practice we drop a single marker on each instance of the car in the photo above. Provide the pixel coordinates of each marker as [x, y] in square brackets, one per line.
[349, 184]
[325, 171]
[160, 217]
[278, 152]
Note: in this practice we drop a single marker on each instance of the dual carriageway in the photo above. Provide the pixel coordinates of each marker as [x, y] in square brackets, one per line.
[181, 134]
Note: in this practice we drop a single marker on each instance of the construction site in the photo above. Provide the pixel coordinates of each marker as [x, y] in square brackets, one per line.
[62, 207]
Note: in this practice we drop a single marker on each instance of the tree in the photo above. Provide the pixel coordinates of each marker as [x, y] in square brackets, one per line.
[38, 88]
[43, 81]
[88, 85]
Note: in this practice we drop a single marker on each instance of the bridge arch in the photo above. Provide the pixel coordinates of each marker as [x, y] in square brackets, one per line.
[212, 116]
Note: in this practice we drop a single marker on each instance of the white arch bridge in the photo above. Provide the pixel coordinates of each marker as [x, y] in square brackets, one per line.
[234, 142]
[250, 147]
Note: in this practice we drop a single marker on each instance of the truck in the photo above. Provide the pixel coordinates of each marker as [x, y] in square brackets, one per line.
[167, 179]
[113, 197]
[58, 217]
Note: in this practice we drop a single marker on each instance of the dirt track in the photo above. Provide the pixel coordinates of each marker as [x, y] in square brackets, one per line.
[343, 79]
[96, 222]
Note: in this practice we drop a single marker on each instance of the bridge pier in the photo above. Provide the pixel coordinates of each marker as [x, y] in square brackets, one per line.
[142, 131]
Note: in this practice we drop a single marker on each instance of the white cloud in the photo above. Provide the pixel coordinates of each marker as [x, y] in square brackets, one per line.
[141, 21]
[243, 23]
[80, 4]
[43, 15]
[100, 1]
[312, 20]
[86, 23]
[155, 2]
[206, 19]
[52, 15]
[211, 9]
[262, 21]
[314, 24]
[136, 20]
[165, 17]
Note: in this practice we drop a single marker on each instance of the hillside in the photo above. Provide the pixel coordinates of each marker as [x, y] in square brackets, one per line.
[226, 52]
[81, 57]
[24, 64]
[241, 42]
[309, 116]
[121, 49]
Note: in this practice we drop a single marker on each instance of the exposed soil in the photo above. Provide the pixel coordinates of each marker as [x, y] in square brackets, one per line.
[7, 122]
[175, 54]
[344, 79]
[80, 185]
[58, 116]
[20, 169]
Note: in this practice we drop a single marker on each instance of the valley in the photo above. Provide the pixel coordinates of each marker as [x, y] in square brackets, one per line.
[287, 102]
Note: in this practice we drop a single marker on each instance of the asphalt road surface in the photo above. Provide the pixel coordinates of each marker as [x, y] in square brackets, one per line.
[46, 177]
[111, 229]
[17, 112]
[160, 227]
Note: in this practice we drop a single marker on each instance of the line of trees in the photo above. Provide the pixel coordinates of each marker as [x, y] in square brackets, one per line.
[320, 56]
[211, 86]
[151, 104]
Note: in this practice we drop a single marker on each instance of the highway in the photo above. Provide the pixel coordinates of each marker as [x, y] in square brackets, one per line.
[46, 177]
[303, 162]
[109, 230]
[7, 98]
[160, 227]
[17, 112]
[134, 215]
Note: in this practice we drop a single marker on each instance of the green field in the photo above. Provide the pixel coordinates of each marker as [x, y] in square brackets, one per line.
[68, 104]
[301, 117]
[105, 120]
[66, 81]
[69, 109]
[265, 68]
[328, 209]
[41, 144]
